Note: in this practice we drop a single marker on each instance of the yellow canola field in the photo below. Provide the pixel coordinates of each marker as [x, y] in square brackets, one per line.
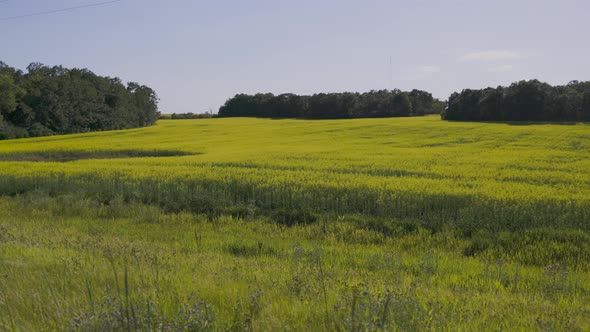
[362, 166]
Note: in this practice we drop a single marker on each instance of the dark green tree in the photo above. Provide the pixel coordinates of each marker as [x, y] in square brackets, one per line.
[585, 116]
[521, 101]
[401, 105]
[56, 100]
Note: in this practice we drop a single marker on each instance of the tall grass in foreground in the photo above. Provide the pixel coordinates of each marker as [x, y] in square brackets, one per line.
[70, 264]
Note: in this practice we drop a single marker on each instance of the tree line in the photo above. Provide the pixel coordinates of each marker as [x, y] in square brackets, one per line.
[522, 101]
[188, 116]
[56, 100]
[346, 105]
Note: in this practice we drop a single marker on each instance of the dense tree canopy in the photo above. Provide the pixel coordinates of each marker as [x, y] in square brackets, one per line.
[56, 100]
[522, 101]
[345, 105]
[187, 116]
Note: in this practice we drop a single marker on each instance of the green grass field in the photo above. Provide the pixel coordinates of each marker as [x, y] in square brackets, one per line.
[253, 224]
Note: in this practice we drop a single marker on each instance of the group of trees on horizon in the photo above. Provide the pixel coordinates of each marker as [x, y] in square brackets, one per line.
[522, 101]
[345, 105]
[56, 100]
[188, 116]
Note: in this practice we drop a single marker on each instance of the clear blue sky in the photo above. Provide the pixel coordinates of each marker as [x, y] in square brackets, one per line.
[196, 54]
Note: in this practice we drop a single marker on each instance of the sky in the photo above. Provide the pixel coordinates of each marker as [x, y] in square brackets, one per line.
[197, 54]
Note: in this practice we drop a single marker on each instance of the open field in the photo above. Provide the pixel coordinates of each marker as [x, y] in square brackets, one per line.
[237, 224]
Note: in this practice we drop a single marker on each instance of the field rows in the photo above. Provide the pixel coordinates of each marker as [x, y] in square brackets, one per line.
[492, 175]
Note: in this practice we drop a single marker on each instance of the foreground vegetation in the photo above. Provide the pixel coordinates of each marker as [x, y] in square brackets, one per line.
[73, 264]
[237, 224]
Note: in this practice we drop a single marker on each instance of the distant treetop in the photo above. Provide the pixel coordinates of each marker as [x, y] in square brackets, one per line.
[346, 105]
[522, 101]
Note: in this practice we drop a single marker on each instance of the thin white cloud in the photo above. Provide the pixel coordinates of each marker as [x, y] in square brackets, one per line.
[501, 69]
[428, 69]
[492, 55]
